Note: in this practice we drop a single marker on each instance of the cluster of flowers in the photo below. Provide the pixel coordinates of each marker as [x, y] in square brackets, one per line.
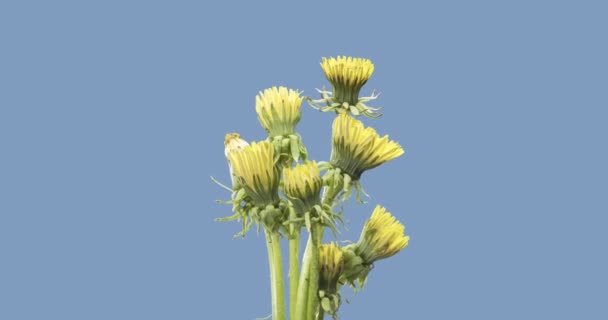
[260, 171]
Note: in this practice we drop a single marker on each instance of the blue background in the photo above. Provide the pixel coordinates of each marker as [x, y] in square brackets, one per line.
[112, 118]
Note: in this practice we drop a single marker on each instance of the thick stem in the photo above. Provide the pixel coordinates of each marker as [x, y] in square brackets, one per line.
[271, 268]
[313, 285]
[302, 297]
[277, 288]
[307, 300]
[294, 273]
[329, 196]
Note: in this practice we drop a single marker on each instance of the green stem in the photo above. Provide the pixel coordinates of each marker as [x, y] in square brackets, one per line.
[307, 300]
[313, 285]
[271, 268]
[302, 296]
[329, 195]
[294, 273]
[277, 288]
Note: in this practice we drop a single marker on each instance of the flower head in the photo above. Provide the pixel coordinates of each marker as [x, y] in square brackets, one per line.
[356, 149]
[382, 237]
[302, 184]
[278, 110]
[253, 167]
[347, 76]
[331, 265]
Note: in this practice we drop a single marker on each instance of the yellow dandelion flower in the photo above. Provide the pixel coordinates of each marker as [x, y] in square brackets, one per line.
[278, 110]
[253, 167]
[331, 263]
[347, 76]
[302, 184]
[356, 149]
[331, 266]
[382, 237]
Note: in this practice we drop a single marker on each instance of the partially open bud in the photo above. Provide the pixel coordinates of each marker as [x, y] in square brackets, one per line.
[347, 76]
[253, 167]
[356, 149]
[278, 110]
[302, 185]
[382, 237]
[241, 202]
[331, 265]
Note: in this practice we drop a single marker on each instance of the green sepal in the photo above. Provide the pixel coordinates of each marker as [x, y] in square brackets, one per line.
[360, 191]
[223, 186]
[229, 218]
[285, 146]
[325, 304]
[336, 301]
[295, 147]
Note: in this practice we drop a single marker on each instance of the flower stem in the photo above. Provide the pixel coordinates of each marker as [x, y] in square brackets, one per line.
[277, 288]
[294, 273]
[302, 296]
[307, 297]
[313, 285]
[329, 195]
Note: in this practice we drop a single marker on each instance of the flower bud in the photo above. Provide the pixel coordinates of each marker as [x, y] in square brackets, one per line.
[347, 76]
[331, 265]
[302, 185]
[356, 149]
[253, 167]
[382, 237]
[278, 110]
[233, 141]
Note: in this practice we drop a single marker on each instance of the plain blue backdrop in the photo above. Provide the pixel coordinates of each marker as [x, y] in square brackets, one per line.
[112, 118]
